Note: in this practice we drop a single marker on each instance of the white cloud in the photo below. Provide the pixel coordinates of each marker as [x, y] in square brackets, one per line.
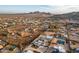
[65, 9]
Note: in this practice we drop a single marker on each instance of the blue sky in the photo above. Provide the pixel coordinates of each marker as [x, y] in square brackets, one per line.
[43, 8]
[24, 8]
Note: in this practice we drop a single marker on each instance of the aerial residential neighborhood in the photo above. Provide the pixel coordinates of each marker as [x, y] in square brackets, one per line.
[39, 32]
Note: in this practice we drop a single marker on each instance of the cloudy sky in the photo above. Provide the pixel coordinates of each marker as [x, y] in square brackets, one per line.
[65, 9]
[43, 8]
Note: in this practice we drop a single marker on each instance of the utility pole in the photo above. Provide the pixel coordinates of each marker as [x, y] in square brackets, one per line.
[68, 36]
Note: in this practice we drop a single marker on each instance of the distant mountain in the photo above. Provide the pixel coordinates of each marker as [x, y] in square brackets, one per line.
[30, 14]
[71, 16]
